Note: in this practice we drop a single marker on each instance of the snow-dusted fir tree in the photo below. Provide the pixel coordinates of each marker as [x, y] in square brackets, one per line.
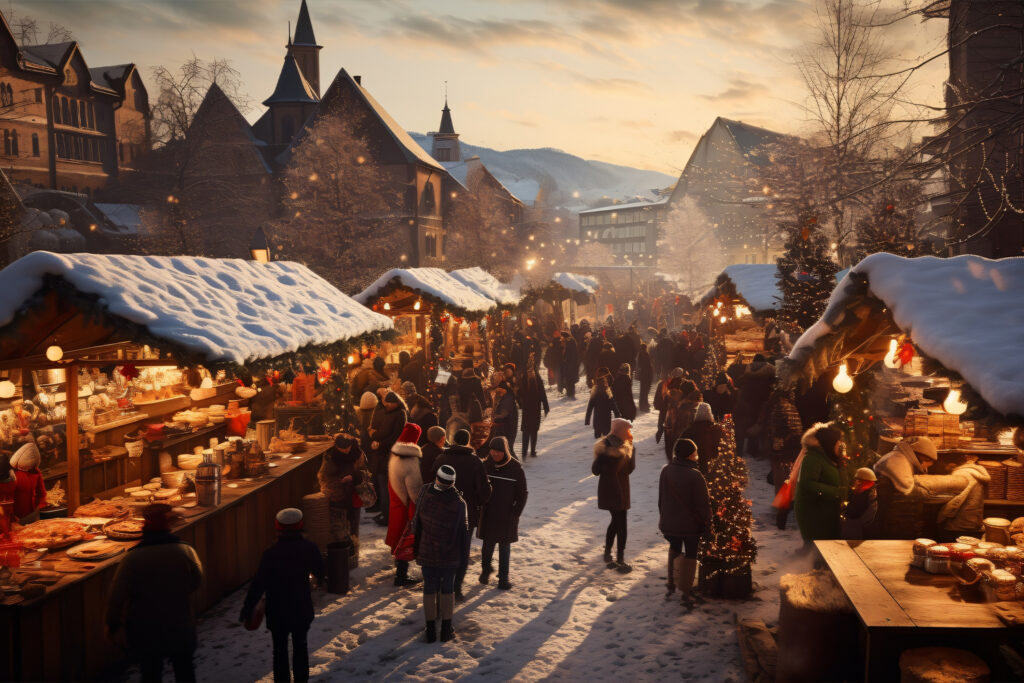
[806, 270]
[689, 246]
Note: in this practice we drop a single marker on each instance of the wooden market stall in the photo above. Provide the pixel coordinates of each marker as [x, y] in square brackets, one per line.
[569, 296]
[502, 321]
[432, 311]
[743, 299]
[118, 369]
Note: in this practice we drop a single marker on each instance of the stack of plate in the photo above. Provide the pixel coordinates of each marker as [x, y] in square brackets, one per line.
[996, 487]
[1014, 480]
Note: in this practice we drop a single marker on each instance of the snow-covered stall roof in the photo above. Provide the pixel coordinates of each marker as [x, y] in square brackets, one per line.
[757, 283]
[482, 282]
[577, 283]
[432, 282]
[966, 312]
[221, 309]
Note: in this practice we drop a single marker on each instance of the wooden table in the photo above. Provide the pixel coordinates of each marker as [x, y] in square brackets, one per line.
[900, 607]
[60, 636]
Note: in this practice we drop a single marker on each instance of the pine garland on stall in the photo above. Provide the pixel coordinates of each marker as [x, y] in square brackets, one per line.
[731, 541]
[806, 271]
[851, 414]
[714, 358]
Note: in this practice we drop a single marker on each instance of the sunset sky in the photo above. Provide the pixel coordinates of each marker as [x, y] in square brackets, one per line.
[633, 82]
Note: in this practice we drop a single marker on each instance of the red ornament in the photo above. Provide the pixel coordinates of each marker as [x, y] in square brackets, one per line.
[323, 375]
[889, 207]
[129, 371]
[906, 353]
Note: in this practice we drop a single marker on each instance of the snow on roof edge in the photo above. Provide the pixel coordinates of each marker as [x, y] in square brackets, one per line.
[433, 282]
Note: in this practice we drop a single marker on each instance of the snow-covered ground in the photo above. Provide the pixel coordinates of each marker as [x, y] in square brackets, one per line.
[567, 617]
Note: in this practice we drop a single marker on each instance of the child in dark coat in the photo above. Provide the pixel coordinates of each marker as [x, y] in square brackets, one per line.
[862, 506]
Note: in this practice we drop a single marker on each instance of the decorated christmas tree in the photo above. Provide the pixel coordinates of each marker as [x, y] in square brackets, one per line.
[730, 548]
[891, 226]
[714, 360]
[806, 270]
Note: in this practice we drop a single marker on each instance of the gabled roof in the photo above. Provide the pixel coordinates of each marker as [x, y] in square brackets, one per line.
[292, 87]
[53, 55]
[756, 283]
[217, 104]
[112, 76]
[224, 310]
[482, 282]
[754, 142]
[630, 205]
[429, 282]
[447, 127]
[575, 282]
[304, 28]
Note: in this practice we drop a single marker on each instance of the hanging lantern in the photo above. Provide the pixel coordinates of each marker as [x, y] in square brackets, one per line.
[387, 306]
[843, 382]
[416, 306]
[351, 359]
[54, 353]
[953, 405]
[890, 357]
[723, 319]
[7, 388]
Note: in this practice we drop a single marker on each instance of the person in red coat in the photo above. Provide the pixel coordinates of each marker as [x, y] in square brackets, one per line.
[29, 491]
[404, 485]
[7, 485]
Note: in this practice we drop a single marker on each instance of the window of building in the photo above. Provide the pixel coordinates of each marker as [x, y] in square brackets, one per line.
[14, 143]
[35, 144]
[7, 142]
[39, 95]
[74, 113]
[65, 111]
[430, 245]
[83, 117]
[428, 202]
[92, 116]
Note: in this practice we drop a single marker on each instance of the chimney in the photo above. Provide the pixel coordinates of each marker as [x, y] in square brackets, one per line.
[358, 80]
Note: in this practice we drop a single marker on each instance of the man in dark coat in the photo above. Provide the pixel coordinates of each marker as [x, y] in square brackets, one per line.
[722, 396]
[432, 450]
[645, 373]
[684, 508]
[664, 353]
[601, 406]
[553, 361]
[388, 422]
[505, 418]
[440, 543]
[415, 371]
[369, 379]
[570, 365]
[593, 357]
[151, 598]
[284, 576]
[338, 476]
[532, 398]
[472, 485]
[471, 392]
[755, 387]
[499, 521]
[608, 358]
[614, 461]
[622, 391]
[706, 434]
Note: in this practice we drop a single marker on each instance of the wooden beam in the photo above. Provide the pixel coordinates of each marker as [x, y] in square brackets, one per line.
[74, 461]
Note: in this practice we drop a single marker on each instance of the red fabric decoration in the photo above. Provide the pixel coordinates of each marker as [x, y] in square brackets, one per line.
[129, 371]
[411, 433]
[906, 353]
[805, 234]
[323, 375]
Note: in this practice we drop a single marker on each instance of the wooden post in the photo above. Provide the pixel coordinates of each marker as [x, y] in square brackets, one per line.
[74, 462]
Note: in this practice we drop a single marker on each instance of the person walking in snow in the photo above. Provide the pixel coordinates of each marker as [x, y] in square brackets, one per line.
[645, 373]
[404, 484]
[532, 398]
[601, 405]
[818, 495]
[684, 515]
[570, 365]
[388, 421]
[499, 520]
[441, 542]
[505, 418]
[614, 461]
[622, 391]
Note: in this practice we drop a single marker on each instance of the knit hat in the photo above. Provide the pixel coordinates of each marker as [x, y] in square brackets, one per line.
[703, 413]
[408, 388]
[26, 457]
[828, 437]
[500, 443]
[368, 401]
[922, 445]
[406, 444]
[620, 427]
[683, 449]
[866, 474]
[288, 519]
[158, 517]
[436, 432]
[446, 475]
[461, 437]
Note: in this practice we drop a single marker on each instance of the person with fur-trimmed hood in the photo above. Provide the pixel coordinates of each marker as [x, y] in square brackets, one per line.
[614, 461]
[404, 484]
[818, 493]
[601, 404]
[499, 520]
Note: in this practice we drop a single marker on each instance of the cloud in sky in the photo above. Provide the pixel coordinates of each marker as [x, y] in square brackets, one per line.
[739, 90]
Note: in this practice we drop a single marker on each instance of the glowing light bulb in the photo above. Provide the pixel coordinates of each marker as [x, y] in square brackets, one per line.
[843, 382]
[387, 306]
[953, 405]
[351, 360]
[416, 306]
[723, 319]
[890, 357]
[6, 389]
[54, 353]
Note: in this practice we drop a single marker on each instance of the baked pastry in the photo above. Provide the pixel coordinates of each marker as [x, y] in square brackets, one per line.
[52, 533]
[124, 529]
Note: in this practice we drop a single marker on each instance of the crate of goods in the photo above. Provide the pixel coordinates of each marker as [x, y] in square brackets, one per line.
[915, 423]
[997, 486]
[1014, 480]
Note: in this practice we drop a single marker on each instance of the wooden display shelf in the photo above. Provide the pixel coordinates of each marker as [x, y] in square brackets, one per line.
[107, 426]
[164, 406]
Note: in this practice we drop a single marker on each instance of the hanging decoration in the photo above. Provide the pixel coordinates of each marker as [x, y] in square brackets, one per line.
[953, 403]
[843, 382]
[891, 357]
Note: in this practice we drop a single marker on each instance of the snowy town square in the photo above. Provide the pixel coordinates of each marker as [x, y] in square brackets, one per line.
[519, 340]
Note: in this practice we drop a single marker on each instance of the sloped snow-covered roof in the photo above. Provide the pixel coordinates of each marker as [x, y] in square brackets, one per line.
[577, 283]
[756, 283]
[482, 282]
[222, 309]
[967, 312]
[432, 282]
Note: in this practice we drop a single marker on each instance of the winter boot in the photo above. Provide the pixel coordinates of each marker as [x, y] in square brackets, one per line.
[623, 567]
[687, 572]
[485, 574]
[447, 608]
[430, 612]
[608, 558]
[402, 575]
[503, 584]
[673, 570]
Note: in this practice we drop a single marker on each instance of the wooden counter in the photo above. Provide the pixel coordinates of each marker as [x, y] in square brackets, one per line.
[60, 636]
[900, 606]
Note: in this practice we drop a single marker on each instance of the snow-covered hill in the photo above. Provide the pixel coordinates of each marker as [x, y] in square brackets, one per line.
[523, 171]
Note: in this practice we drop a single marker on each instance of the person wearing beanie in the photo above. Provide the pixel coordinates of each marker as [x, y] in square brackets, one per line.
[149, 607]
[622, 392]
[389, 420]
[684, 515]
[614, 461]
[499, 519]
[472, 484]
[404, 484]
[533, 398]
[283, 576]
[441, 541]
[408, 390]
[433, 445]
[601, 406]
[29, 490]
[339, 474]
[818, 494]
[706, 434]
[862, 505]
[645, 373]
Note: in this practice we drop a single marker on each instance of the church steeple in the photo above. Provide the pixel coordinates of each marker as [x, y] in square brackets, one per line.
[304, 48]
[447, 128]
[446, 145]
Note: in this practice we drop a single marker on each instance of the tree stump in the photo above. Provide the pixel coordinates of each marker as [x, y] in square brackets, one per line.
[817, 639]
[942, 665]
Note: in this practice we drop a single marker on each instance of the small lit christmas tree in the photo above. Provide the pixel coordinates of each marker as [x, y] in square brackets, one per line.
[714, 359]
[730, 549]
[806, 270]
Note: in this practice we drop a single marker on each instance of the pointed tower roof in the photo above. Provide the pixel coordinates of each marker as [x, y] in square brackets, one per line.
[304, 28]
[447, 128]
[292, 86]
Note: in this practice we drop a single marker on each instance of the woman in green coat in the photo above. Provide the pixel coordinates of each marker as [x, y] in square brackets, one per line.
[818, 497]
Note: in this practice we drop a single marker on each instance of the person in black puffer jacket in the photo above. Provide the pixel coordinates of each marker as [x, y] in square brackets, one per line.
[441, 542]
[284, 576]
[684, 508]
[499, 521]
[622, 390]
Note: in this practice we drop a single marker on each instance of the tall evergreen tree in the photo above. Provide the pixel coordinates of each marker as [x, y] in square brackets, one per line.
[806, 270]
[892, 226]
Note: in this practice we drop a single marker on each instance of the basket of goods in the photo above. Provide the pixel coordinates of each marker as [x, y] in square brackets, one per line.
[287, 441]
[173, 478]
[103, 508]
[52, 533]
[973, 569]
[254, 462]
[96, 550]
[937, 559]
[1000, 584]
[997, 530]
[921, 546]
[124, 529]
[958, 554]
[1014, 559]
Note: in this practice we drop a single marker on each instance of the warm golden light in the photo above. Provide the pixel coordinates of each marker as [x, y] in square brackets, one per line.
[890, 356]
[417, 306]
[843, 382]
[54, 353]
[387, 306]
[953, 405]
[7, 388]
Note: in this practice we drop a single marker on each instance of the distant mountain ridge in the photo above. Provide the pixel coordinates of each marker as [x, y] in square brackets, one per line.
[523, 171]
